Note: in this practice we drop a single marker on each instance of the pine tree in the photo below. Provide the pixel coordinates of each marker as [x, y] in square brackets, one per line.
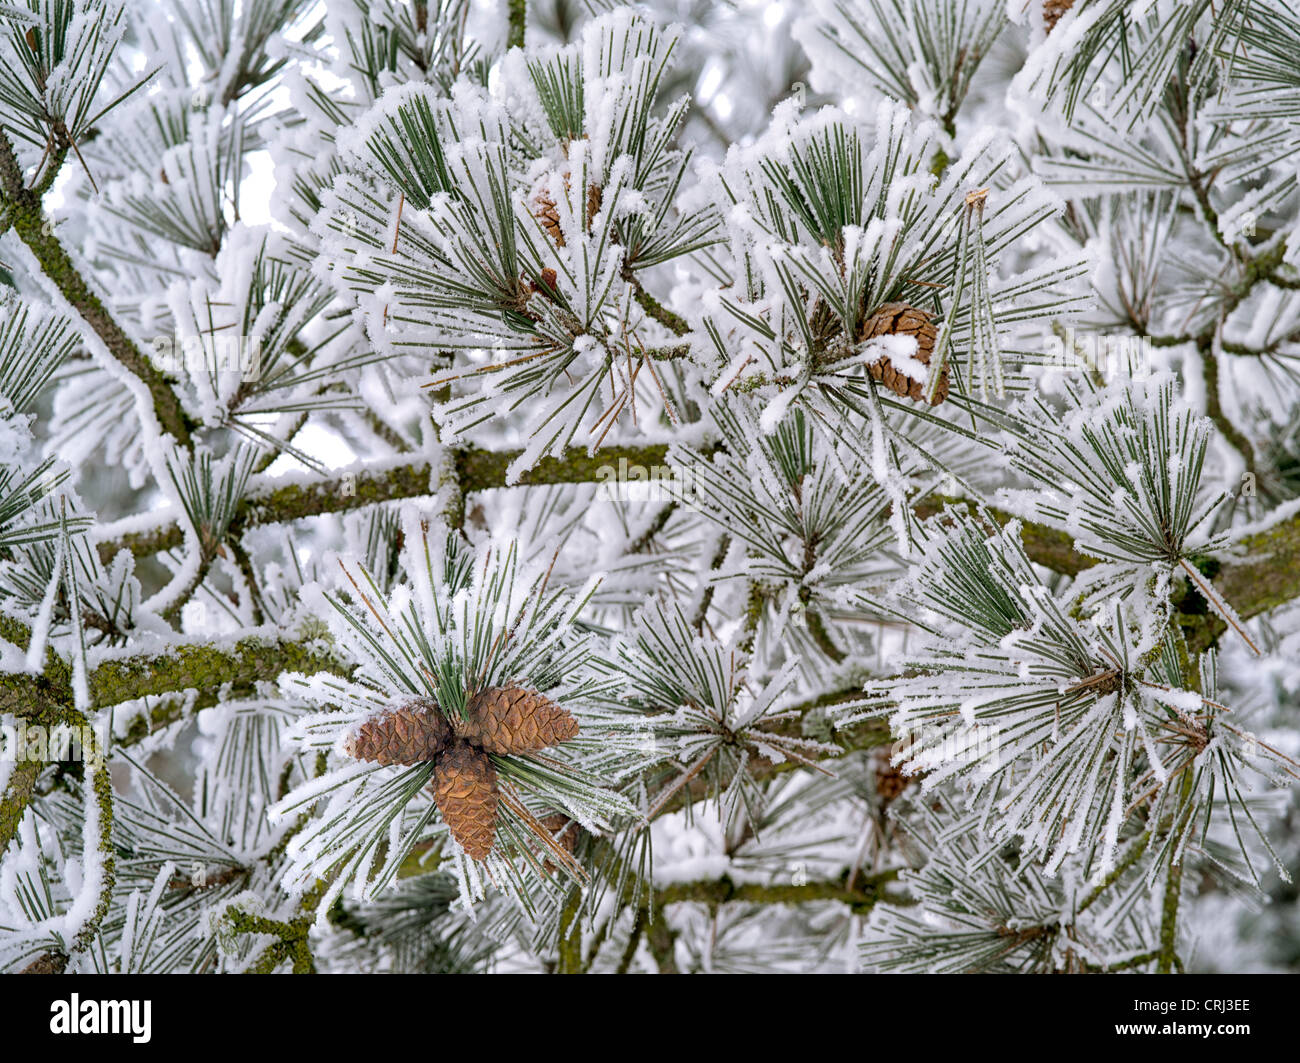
[528, 486]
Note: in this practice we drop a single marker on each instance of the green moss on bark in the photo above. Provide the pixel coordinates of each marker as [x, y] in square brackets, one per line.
[1268, 575]
[24, 212]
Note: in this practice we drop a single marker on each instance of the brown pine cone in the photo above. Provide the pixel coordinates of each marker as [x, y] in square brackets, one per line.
[465, 791]
[545, 210]
[48, 963]
[895, 319]
[511, 719]
[412, 733]
[547, 287]
[1053, 10]
[563, 829]
[890, 782]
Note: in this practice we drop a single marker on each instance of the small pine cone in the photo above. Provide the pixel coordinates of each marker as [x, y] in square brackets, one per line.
[48, 963]
[511, 719]
[890, 782]
[465, 791]
[899, 319]
[565, 831]
[410, 734]
[547, 285]
[1053, 10]
[545, 211]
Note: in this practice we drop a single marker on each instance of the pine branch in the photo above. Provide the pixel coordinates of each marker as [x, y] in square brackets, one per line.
[1169, 916]
[662, 939]
[291, 944]
[1140, 960]
[633, 940]
[44, 698]
[517, 13]
[102, 785]
[570, 958]
[1136, 849]
[1267, 574]
[51, 704]
[201, 667]
[860, 897]
[1214, 407]
[863, 735]
[670, 320]
[1045, 546]
[17, 794]
[23, 210]
[477, 470]
[1168, 952]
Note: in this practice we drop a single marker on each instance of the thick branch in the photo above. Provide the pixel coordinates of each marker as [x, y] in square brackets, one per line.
[201, 667]
[1264, 575]
[477, 470]
[292, 941]
[1267, 574]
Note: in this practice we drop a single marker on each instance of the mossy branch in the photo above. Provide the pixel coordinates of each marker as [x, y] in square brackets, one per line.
[860, 895]
[291, 944]
[17, 795]
[1263, 573]
[207, 669]
[517, 14]
[23, 210]
[476, 470]
[671, 320]
[50, 703]
[102, 785]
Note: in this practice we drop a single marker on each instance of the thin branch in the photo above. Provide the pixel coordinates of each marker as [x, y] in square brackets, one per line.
[23, 210]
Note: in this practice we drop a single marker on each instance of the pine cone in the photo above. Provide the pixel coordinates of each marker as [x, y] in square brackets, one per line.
[547, 287]
[48, 963]
[545, 210]
[1053, 10]
[899, 319]
[465, 791]
[565, 831]
[410, 734]
[890, 782]
[511, 719]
